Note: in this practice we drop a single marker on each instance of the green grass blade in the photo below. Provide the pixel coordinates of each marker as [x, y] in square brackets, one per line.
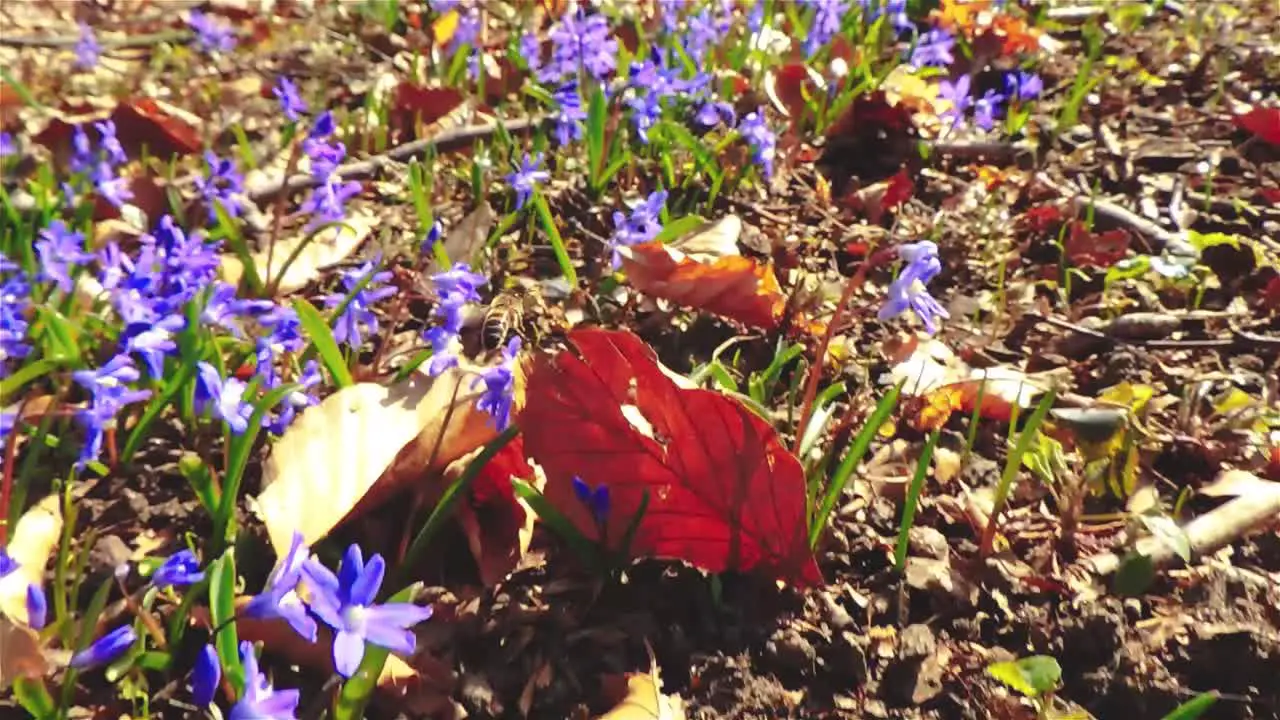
[322, 339]
[850, 462]
[222, 608]
[913, 501]
[553, 235]
[1011, 466]
[238, 459]
[1193, 708]
[582, 546]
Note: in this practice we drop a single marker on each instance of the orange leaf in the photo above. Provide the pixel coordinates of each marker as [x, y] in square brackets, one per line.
[723, 492]
[961, 15]
[733, 286]
[1015, 35]
[144, 122]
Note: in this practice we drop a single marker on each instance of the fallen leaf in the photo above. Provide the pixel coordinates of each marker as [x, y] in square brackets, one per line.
[943, 383]
[444, 27]
[1261, 121]
[732, 286]
[362, 444]
[415, 107]
[711, 240]
[32, 542]
[1015, 35]
[326, 248]
[498, 525]
[466, 239]
[1102, 250]
[790, 86]
[724, 493]
[639, 696]
[163, 129]
[20, 653]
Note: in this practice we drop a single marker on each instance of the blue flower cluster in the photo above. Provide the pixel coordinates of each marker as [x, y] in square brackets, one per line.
[357, 317]
[98, 164]
[1019, 85]
[641, 226]
[328, 199]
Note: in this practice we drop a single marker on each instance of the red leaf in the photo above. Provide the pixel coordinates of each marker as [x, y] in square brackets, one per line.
[1263, 122]
[899, 191]
[724, 494]
[416, 107]
[1271, 195]
[143, 122]
[492, 519]
[1102, 249]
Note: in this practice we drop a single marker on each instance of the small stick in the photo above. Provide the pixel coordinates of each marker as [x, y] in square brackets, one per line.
[400, 153]
[1207, 534]
[66, 41]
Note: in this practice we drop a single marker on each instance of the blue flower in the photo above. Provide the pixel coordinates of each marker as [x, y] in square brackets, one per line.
[596, 501]
[211, 36]
[110, 394]
[15, 301]
[1024, 85]
[934, 48]
[569, 113]
[222, 187]
[260, 701]
[957, 93]
[154, 341]
[280, 598]
[7, 563]
[206, 676]
[291, 103]
[298, 399]
[908, 291]
[225, 397]
[986, 109]
[87, 48]
[182, 568]
[827, 18]
[7, 144]
[642, 226]
[763, 140]
[713, 113]
[531, 51]
[358, 317]
[105, 649]
[346, 604]
[580, 41]
[37, 607]
[433, 237]
[526, 178]
[60, 250]
[499, 385]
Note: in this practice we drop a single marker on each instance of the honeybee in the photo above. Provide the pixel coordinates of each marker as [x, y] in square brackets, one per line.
[520, 309]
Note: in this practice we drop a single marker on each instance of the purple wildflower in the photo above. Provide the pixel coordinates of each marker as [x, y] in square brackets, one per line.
[986, 108]
[580, 41]
[827, 18]
[291, 103]
[934, 48]
[60, 250]
[1024, 85]
[153, 341]
[526, 178]
[87, 48]
[182, 568]
[108, 386]
[499, 385]
[470, 23]
[454, 289]
[908, 291]
[206, 676]
[260, 701]
[595, 501]
[433, 237]
[105, 649]
[569, 113]
[713, 113]
[763, 140]
[641, 226]
[15, 300]
[211, 35]
[957, 93]
[280, 598]
[225, 397]
[299, 399]
[358, 317]
[346, 603]
[7, 563]
[531, 51]
[37, 607]
[7, 144]
[223, 186]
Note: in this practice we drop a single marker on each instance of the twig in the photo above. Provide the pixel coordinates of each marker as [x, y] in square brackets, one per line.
[382, 161]
[66, 41]
[1206, 534]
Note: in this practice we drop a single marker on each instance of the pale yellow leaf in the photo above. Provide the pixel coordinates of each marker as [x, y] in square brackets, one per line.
[363, 443]
[31, 543]
[301, 258]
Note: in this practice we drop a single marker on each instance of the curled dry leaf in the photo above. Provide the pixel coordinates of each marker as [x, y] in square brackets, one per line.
[1239, 483]
[639, 696]
[731, 286]
[33, 540]
[20, 653]
[942, 383]
[498, 525]
[310, 254]
[790, 86]
[723, 492]
[362, 444]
